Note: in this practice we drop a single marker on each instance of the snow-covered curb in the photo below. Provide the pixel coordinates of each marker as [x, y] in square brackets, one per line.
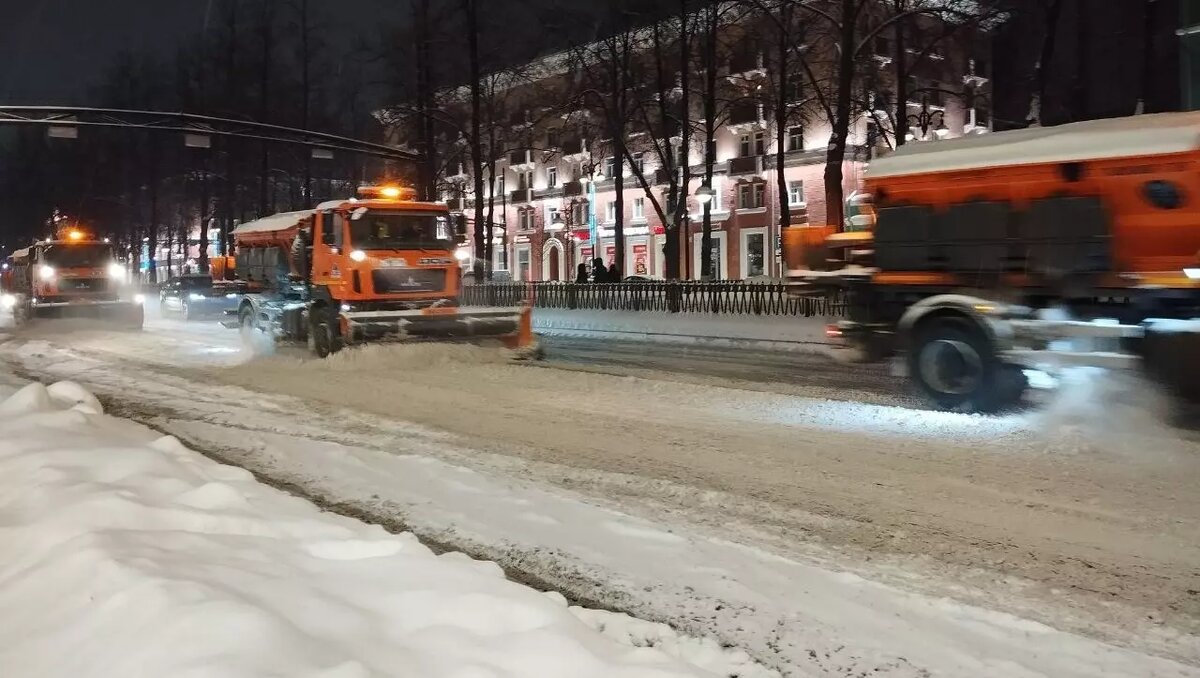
[806, 335]
[125, 553]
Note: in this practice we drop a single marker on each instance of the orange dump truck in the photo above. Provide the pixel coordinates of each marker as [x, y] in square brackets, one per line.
[377, 267]
[72, 275]
[990, 258]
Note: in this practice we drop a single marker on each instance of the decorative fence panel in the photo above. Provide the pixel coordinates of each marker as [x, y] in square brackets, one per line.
[731, 298]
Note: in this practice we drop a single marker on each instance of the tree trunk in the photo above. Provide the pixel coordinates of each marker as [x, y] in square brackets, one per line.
[900, 62]
[834, 195]
[618, 51]
[264, 106]
[202, 257]
[782, 104]
[152, 265]
[426, 167]
[491, 209]
[679, 187]
[710, 131]
[1042, 69]
[475, 132]
[306, 98]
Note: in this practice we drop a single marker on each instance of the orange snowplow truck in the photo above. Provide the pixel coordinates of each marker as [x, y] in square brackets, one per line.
[73, 275]
[994, 258]
[373, 268]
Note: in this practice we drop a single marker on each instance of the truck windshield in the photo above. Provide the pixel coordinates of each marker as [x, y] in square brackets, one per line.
[401, 230]
[78, 256]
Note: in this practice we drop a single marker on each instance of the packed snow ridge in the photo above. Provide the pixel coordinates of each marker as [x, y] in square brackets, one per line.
[127, 554]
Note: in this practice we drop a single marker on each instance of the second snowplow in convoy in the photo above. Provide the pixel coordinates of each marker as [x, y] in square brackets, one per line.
[379, 267]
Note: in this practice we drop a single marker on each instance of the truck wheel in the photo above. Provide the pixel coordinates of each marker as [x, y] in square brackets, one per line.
[954, 366]
[246, 326]
[324, 337]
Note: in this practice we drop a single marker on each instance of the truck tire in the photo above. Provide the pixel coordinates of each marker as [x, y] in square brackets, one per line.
[955, 367]
[324, 337]
[247, 327]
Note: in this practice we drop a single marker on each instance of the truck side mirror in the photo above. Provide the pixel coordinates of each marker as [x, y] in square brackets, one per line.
[460, 225]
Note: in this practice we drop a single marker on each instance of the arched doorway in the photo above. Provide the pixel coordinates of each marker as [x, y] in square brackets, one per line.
[554, 264]
[552, 261]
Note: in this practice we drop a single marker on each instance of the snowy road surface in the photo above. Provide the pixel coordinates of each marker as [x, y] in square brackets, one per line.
[127, 554]
[826, 535]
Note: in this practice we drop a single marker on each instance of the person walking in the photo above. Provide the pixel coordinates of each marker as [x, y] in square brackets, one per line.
[614, 276]
[581, 274]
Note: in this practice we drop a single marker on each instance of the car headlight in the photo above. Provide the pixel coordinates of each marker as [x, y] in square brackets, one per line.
[196, 297]
[358, 255]
[116, 270]
[46, 273]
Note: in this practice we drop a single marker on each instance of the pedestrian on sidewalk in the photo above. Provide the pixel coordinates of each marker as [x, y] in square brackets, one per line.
[599, 273]
[581, 274]
[614, 276]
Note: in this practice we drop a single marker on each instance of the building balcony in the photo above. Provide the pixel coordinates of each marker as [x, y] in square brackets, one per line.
[746, 118]
[746, 65]
[522, 160]
[456, 204]
[521, 195]
[575, 150]
[573, 188]
[548, 192]
[750, 164]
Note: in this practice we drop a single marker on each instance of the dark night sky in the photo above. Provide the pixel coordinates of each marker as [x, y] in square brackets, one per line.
[52, 51]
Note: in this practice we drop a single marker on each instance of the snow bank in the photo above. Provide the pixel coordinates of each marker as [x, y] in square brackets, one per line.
[126, 554]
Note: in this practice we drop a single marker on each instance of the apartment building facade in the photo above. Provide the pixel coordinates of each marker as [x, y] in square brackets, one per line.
[555, 192]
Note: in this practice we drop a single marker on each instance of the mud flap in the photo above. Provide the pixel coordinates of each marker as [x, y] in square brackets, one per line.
[1172, 358]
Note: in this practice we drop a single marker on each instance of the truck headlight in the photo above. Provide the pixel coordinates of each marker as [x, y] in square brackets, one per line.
[46, 272]
[196, 297]
[358, 255]
[116, 270]
[139, 298]
[7, 301]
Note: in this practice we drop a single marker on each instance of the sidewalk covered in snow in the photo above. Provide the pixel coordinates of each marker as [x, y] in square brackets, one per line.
[125, 554]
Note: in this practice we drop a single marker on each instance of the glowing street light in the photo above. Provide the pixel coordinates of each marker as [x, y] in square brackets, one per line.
[705, 194]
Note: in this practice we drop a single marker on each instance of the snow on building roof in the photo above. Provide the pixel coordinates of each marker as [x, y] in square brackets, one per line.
[276, 222]
[1091, 140]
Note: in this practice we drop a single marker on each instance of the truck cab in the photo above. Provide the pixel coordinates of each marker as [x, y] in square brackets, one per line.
[384, 252]
[374, 267]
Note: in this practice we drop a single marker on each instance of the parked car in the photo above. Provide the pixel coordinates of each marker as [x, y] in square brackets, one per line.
[198, 296]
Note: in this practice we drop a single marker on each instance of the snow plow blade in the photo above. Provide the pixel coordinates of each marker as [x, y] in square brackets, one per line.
[512, 326]
[120, 313]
